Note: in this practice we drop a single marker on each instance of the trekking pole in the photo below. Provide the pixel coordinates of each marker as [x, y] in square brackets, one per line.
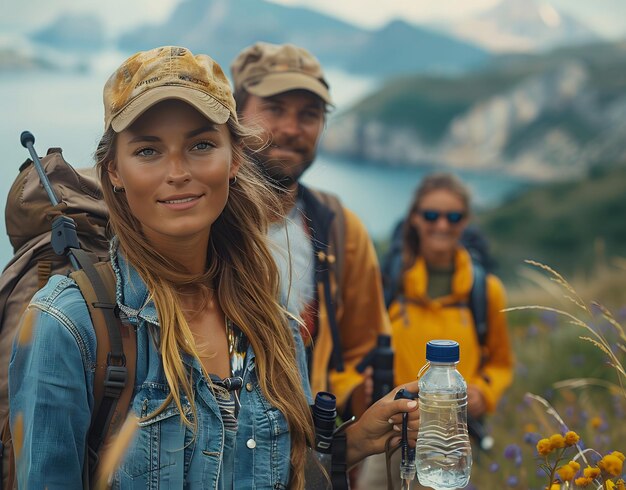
[381, 360]
[28, 140]
[407, 464]
[64, 236]
[477, 430]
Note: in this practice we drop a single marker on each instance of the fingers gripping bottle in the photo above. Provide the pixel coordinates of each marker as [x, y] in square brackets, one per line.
[443, 450]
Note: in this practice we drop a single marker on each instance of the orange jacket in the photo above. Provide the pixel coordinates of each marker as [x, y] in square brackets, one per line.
[360, 312]
[416, 319]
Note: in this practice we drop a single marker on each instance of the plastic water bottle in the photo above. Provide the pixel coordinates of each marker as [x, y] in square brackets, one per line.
[324, 416]
[443, 450]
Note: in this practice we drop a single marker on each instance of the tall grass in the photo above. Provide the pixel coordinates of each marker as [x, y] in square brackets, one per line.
[570, 376]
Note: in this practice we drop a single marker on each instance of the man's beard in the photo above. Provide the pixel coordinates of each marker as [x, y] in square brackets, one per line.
[274, 177]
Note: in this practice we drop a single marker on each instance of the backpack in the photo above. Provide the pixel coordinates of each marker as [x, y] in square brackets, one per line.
[83, 217]
[477, 246]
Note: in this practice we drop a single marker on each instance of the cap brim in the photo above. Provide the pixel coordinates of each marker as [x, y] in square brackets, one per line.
[203, 102]
[277, 83]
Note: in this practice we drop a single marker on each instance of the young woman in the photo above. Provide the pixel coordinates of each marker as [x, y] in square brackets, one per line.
[431, 301]
[197, 281]
[434, 295]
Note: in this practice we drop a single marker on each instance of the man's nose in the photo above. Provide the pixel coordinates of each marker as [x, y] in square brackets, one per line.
[290, 125]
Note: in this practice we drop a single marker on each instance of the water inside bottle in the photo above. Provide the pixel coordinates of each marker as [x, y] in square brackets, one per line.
[443, 451]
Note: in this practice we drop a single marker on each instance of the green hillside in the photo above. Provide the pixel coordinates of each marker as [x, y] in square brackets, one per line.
[563, 225]
[428, 104]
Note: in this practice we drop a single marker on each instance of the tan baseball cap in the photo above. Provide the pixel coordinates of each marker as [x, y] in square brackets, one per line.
[265, 69]
[169, 72]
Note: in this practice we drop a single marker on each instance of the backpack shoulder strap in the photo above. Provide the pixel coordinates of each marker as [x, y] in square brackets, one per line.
[478, 302]
[337, 236]
[391, 265]
[335, 259]
[7, 455]
[116, 355]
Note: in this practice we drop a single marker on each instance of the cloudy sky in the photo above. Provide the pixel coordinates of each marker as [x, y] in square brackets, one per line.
[607, 17]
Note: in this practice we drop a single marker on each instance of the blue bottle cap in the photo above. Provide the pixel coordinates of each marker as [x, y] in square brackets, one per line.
[442, 351]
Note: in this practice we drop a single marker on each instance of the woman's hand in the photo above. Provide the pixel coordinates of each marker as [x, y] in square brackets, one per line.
[382, 420]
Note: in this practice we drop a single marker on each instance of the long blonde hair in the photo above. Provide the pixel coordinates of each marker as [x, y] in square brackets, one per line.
[242, 270]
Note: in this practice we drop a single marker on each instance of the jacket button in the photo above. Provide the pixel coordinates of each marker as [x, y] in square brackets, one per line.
[249, 386]
[251, 443]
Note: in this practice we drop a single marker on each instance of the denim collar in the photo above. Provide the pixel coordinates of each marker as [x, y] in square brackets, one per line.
[133, 298]
[132, 295]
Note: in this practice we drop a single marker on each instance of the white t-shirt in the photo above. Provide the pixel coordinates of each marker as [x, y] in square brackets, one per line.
[293, 252]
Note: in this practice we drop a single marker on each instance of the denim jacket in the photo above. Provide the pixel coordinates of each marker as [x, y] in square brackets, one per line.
[51, 379]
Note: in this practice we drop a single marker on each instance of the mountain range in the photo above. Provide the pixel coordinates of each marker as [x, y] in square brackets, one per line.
[522, 26]
[224, 27]
[543, 116]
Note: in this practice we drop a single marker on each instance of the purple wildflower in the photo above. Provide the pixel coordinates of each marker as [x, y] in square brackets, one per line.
[512, 481]
[549, 318]
[511, 451]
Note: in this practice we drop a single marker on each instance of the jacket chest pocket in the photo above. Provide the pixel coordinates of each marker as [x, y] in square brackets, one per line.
[267, 448]
[263, 446]
[159, 444]
[280, 453]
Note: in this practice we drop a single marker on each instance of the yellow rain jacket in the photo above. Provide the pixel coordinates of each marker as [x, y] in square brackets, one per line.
[416, 319]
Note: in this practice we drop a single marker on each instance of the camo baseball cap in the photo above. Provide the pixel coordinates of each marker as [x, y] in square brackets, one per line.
[265, 69]
[168, 72]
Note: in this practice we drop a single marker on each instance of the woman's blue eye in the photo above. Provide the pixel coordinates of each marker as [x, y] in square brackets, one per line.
[146, 152]
[204, 145]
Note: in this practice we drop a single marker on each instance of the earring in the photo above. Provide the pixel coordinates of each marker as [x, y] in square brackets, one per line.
[233, 181]
[117, 189]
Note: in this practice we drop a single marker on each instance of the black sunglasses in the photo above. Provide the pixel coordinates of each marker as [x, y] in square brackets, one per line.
[453, 217]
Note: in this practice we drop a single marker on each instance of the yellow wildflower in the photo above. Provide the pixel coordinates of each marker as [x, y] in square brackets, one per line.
[555, 486]
[574, 465]
[557, 441]
[609, 485]
[619, 455]
[571, 438]
[530, 427]
[620, 485]
[566, 472]
[583, 481]
[596, 422]
[611, 464]
[544, 447]
[591, 473]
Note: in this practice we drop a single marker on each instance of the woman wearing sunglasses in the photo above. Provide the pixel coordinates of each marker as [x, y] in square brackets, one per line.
[433, 295]
[428, 298]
